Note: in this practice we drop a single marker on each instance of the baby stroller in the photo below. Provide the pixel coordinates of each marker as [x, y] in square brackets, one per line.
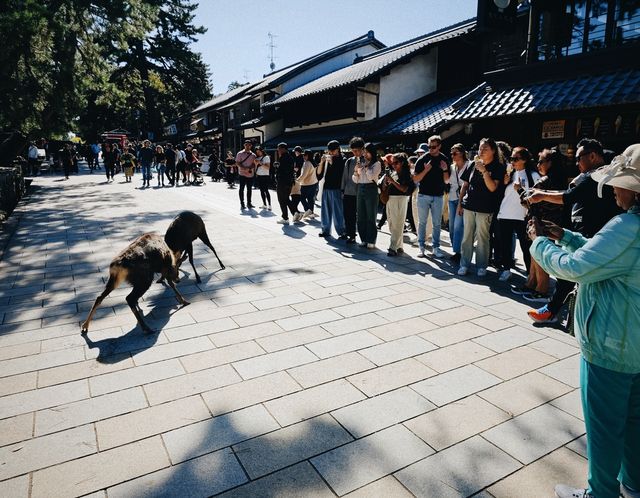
[196, 174]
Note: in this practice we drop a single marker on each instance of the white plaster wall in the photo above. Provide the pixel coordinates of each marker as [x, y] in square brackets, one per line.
[272, 129]
[367, 101]
[326, 67]
[408, 82]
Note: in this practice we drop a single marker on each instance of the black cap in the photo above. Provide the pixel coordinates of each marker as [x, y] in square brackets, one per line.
[282, 145]
[333, 145]
[297, 148]
[247, 141]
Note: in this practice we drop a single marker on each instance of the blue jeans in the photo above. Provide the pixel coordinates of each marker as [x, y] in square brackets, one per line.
[456, 226]
[611, 407]
[429, 204]
[308, 193]
[146, 172]
[331, 210]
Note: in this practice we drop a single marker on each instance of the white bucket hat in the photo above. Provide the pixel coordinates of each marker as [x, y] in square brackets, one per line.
[623, 172]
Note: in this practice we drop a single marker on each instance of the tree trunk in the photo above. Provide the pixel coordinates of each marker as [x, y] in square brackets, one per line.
[154, 121]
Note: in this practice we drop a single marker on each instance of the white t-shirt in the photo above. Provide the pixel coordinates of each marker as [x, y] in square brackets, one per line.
[510, 208]
[455, 179]
[263, 169]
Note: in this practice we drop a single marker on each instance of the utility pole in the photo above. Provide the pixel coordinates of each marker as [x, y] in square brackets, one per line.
[271, 45]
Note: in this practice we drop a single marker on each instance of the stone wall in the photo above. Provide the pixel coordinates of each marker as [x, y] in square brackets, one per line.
[12, 189]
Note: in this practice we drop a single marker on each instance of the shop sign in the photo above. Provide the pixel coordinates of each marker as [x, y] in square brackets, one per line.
[553, 129]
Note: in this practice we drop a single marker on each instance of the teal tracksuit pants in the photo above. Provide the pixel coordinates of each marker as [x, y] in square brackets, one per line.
[611, 406]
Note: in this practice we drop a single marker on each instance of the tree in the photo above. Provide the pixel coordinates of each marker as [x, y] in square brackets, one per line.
[87, 65]
[235, 84]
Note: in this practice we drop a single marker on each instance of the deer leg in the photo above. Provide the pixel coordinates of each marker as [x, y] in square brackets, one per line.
[190, 254]
[181, 299]
[204, 238]
[140, 286]
[112, 283]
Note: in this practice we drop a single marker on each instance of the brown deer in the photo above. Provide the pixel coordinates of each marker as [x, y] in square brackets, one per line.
[146, 255]
[184, 229]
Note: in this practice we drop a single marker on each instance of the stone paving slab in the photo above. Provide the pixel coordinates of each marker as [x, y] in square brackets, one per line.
[305, 368]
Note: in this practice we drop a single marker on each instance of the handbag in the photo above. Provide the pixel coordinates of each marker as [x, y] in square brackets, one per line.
[384, 193]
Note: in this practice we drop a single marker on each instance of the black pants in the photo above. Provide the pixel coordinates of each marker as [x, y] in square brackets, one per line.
[308, 193]
[170, 173]
[563, 288]
[245, 182]
[263, 185]
[410, 219]
[283, 191]
[231, 177]
[110, 169]
[294, 202]
[506, 229]
[349, 204]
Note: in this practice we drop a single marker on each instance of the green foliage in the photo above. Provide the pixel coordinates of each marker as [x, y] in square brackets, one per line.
[92, 65]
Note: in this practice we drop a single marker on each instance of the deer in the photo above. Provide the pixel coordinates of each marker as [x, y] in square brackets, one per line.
[184, 229]
[137, 264]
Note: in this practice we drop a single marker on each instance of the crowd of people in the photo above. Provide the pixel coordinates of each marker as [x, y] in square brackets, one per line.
[486, 200]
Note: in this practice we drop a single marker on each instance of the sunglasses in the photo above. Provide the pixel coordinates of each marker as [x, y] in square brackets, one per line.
[433, 146]
[515, 158]
[540, 161]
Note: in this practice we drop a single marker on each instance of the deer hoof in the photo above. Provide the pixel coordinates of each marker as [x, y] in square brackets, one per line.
[84, 328]
[185, 303]
[222, 267]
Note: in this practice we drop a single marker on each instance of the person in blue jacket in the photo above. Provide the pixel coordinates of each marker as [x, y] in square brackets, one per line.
[607, 326]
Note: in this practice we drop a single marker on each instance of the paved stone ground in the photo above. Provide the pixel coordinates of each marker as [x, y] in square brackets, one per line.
[302, 369]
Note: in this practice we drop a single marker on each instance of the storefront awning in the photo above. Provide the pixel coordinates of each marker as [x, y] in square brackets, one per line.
[318, 138]
[617, 88]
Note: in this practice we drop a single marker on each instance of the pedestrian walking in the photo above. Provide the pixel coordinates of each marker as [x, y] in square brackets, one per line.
[459, 164]
[246, 169]
[285, 179]
[398, 181]
[170, 161]
[263, 176]
[146, 154]
[308, 184]
[128, 161]
[350, 190]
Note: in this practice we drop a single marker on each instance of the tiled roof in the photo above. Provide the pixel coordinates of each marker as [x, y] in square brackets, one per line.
[225, 97]
[283, 74]
[374, 63]
[426, 115]
[619, 87]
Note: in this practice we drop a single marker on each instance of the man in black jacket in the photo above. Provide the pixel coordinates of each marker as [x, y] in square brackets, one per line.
[285, 179]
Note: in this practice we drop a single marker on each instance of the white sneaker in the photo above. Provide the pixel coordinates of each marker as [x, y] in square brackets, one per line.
[462, 271]
[269, 207]
[482, 272]
[437, 253]
[307, 214]
[504, 276]
[282, 221]
[371, 246]
[263, 207]
[297, 217]
[564, 491]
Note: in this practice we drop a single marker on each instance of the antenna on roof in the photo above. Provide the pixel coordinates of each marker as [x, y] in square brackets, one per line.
[245, 75]
[271, 46]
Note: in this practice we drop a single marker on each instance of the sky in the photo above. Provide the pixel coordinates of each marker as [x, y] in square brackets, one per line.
[235, 45]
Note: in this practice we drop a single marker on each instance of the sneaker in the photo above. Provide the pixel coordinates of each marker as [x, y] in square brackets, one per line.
[462, 271]
[536, 297]
[521, 290]
[297, 217]
[437, 253]
[263, 207]
[269, 207]
[392, 253]
[251, 206]
[564, 491]
[243, 207]
[362, 244]
[504, 276]
[400, 250]
[627, 492]
[344, 236]
[282, 221]
[371, 246]
[421, 253]
[351, 240]
[482, 272]
[322, 234]
[542, 315]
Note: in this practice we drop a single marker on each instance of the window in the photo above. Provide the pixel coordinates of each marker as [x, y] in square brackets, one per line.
[570, 27]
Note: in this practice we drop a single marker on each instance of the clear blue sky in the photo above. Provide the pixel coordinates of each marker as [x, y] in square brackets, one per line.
[235, 45]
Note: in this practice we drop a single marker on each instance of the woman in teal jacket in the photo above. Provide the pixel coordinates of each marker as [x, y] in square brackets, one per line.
[607, 327]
